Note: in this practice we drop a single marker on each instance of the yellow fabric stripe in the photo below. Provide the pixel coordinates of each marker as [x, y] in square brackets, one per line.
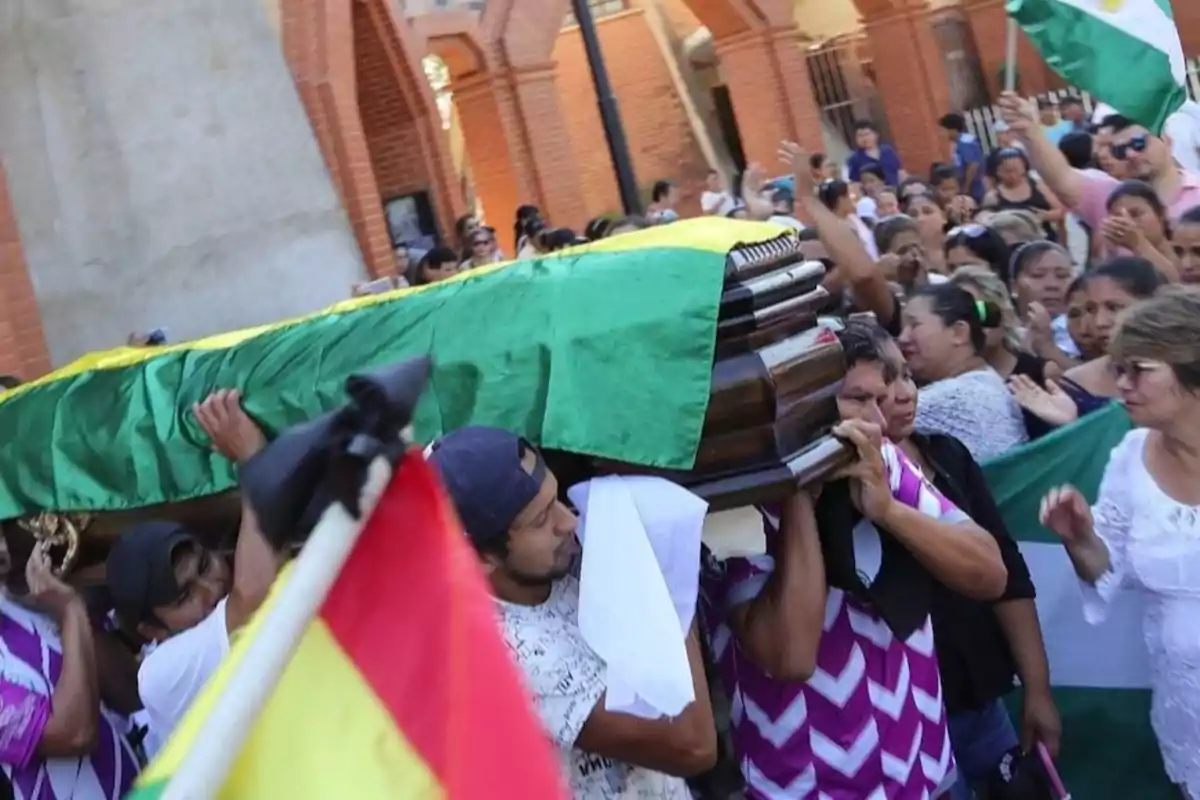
[711, 234]
[322, 734]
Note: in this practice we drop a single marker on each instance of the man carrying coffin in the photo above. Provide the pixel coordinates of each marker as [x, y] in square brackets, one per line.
[525, 537]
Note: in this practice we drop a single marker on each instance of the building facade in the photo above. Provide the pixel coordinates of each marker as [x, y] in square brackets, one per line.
[256, 159]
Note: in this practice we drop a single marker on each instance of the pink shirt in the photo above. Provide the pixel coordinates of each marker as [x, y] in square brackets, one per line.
[1096, 186]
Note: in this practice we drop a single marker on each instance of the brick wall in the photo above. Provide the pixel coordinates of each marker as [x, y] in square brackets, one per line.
[1187, 19]
[660, 138]
[22, 343]
[390, 129]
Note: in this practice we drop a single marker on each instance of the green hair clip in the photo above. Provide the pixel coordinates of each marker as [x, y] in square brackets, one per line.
[981, 310]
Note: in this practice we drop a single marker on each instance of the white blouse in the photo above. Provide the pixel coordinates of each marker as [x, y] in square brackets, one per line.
[1154, 547]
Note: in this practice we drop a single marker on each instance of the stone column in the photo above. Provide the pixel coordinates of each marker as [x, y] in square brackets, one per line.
[163, 171]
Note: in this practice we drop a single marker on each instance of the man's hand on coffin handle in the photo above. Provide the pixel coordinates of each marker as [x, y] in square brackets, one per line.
[233, 433]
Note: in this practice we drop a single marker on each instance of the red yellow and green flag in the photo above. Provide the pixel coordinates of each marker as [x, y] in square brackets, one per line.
[400, 688]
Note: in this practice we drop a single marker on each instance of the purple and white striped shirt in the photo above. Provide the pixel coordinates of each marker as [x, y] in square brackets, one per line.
[30, 663]
[870, 723]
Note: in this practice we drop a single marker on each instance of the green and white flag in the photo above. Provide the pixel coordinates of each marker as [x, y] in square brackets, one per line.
[1100, 673]
[1125, 52]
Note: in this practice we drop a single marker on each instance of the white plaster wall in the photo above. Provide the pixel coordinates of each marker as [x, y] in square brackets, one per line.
[163, 170]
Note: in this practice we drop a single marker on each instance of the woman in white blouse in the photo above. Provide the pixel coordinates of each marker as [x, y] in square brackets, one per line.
[1144, 530]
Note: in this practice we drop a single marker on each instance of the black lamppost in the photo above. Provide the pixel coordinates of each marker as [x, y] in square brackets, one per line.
[610, 117]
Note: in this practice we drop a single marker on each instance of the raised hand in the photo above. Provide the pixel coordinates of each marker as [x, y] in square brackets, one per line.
[795, 158]
[1051, 404]
[1020, 114]
[1065, 512]
[234, 435]
[46, 590]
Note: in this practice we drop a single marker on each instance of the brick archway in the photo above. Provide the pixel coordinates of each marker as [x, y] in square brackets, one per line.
[357, 70]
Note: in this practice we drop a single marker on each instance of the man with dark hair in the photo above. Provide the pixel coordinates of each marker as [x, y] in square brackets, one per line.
[664, 196]
[175, 592]
[508, 501]
[436, 265]
[1144, 155]
[1076, 146]
[968, 155]
[869, 152]
[871, 179]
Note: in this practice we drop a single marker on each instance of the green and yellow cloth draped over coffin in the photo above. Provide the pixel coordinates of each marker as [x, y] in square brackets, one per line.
[604, 349]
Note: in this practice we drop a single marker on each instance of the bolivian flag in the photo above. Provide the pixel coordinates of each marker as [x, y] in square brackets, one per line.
[401, 688]
[603, 349]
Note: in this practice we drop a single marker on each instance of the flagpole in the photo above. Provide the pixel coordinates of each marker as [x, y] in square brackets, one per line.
[1010, 57]
[219, 741]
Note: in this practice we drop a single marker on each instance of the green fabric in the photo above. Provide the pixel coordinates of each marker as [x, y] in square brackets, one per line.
[1108, 748]
[1076, 454]
[606, 353]
[1109, 751]
[1129, 73]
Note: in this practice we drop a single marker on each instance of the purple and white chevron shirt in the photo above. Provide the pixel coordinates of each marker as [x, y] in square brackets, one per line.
[870, 723]
[30, 663]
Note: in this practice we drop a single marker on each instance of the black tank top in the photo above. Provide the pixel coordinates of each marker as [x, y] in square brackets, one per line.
[1036, 202]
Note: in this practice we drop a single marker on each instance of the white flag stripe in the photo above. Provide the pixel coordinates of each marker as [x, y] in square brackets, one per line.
[1107, 656]
[1143, 20]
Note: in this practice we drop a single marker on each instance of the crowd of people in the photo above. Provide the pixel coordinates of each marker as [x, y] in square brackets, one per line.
[973, 325]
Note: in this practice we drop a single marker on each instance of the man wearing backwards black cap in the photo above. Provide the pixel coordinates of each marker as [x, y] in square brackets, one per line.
[508, 502]
[180, 595]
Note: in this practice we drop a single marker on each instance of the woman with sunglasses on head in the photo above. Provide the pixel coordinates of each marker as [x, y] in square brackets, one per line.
[483, 249]
[1014, 189]
[1143, 533]
[1137, 224]
[944, 339]
[1112, 287]
[977, 245]
[981, 646]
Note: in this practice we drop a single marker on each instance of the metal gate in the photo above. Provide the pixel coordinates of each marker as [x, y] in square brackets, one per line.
[844, 87]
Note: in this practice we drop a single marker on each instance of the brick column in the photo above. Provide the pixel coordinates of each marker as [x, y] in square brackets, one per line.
[491, 127]
[1187, 19]
[989, 25]
[318, 42]
[912, 82]
[768, 84]
[533, 93]
[22, 343]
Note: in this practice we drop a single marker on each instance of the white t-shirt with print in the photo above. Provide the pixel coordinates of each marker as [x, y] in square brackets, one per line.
[566, 679]
[173, 673]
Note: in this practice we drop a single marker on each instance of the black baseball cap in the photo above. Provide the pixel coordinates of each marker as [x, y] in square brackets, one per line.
[482, 471]
[141, 570]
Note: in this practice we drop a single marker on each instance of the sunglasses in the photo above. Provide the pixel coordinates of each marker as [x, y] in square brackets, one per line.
[972, 231]
[1137, 144]
[1134, 369]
